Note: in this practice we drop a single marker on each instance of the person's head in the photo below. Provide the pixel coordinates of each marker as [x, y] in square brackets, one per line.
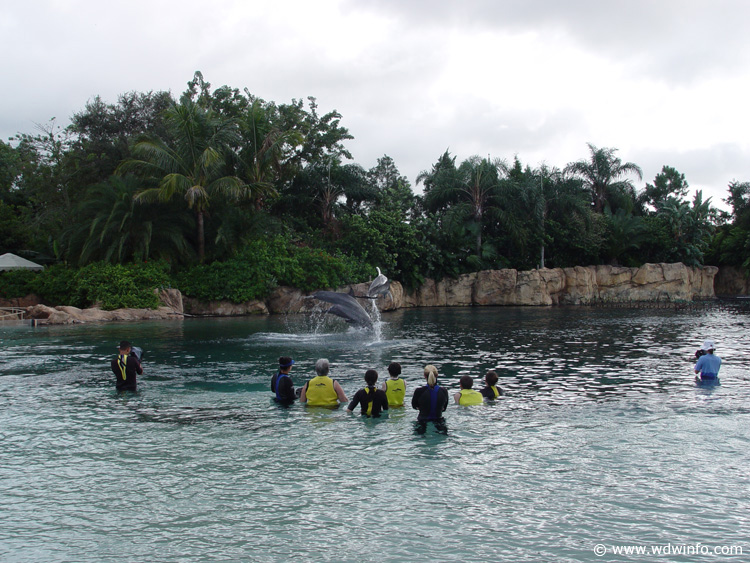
[466, 382]
[124, 347]
[491, 378]
[708, 346]
[322, 367]
[430, 374]
[371, 376]
[285, 364]
[394, 369]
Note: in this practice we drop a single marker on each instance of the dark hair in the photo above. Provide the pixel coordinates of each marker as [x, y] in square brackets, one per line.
[371, 376]
[285, 362]
[491, 378]
[124, 345]
[394, 368]
[466, 381]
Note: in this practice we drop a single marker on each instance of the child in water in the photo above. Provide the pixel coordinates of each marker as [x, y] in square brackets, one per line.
[373, 400]
[491, 390]
[468, 396]
[395, 388]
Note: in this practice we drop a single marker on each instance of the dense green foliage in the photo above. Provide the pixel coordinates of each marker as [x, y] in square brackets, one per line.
[110, 286]
[231, 195]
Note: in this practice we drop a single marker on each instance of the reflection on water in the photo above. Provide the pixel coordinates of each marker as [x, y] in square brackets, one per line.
[602, 437]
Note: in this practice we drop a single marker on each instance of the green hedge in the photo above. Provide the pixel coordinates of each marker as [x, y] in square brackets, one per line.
[264, 265]
[109, 285]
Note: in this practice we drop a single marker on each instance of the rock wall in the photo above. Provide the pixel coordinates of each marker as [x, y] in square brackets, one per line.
[558, 286]
[568, 286]
[731, 282]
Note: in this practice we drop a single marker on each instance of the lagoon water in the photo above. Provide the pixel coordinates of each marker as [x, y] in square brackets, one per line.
[602, 440]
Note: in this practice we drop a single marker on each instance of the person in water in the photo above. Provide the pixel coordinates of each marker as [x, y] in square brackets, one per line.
[394, 387]
[431, 400]
[373, 400]
[125, 367]
[708, 364]
[281, 383]
[468, 396]
[321, 390]
[491, 390]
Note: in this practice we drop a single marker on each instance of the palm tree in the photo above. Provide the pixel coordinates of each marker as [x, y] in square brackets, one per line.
[111, 226]
[602, 175]
[265, 150]
[469, 186]
[193, 165]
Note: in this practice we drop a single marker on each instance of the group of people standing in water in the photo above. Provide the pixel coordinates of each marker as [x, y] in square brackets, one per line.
[431, 399]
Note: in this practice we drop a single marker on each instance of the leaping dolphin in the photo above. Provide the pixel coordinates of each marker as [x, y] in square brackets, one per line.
[346, 307]
[381, 285]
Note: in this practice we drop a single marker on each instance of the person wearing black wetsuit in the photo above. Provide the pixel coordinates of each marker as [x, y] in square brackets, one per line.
[373, 400]
[281, 383]
[431, 400]
[125, 367]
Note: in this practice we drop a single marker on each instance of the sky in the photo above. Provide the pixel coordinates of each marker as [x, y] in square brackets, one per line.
[665, 82]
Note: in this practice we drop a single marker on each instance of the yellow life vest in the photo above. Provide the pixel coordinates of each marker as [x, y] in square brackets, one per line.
[122, 362]
[320, 392]
[395, 390]
[370, 391]
[470, 397]
[495, 391]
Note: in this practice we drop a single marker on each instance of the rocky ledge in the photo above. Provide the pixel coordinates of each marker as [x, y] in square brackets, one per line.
[559, 286]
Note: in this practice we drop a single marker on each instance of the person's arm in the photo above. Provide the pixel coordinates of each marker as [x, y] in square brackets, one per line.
[445, 400]
[303, 395]
[384, 387]
[457, 398]
[138, 368]
[384, 399]
[354, 403]
[699, 364]
[415, 398]
[339, 392]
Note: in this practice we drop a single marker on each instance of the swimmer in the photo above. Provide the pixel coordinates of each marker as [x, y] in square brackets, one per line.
[491, 390]
[468, 396]
[395, 388]
[125, 367]
[431, 400]
[373, 400]
[321, 390]
[281, 383]
[708, 364]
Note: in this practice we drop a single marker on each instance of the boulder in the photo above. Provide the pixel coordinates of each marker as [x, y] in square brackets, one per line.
[224, 308]
[495, 287]
[172, 298]
[580, 286]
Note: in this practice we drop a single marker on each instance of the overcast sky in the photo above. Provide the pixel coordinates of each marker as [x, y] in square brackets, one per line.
[666, 82]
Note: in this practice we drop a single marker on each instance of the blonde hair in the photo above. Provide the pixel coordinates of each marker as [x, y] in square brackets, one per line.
[431, 373]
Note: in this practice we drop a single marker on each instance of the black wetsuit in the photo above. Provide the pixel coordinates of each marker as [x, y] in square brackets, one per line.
[488, 393]
[285, 392]
[362, 397]
[422, 400]
[132, 367]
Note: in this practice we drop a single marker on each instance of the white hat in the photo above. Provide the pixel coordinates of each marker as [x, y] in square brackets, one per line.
[708, 345]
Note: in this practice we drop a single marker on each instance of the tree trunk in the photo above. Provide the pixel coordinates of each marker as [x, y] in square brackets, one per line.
[201, 237]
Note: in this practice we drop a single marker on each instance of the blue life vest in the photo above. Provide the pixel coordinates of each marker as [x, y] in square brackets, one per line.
[433, 391]
[279, 397]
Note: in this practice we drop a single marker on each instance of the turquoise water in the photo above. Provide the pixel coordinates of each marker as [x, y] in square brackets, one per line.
[603, 438]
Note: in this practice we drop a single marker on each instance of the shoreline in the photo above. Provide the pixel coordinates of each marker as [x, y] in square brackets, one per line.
[665, 285]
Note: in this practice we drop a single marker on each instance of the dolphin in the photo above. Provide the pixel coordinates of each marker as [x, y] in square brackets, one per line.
[344, 306]
[381, 285]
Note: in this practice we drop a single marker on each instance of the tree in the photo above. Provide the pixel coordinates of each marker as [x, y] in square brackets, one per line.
[668, 183]
[194, 165]
[111, 226]
[602, 175]
[470, 186]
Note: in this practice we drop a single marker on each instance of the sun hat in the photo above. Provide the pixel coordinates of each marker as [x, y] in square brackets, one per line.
[708, 345]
